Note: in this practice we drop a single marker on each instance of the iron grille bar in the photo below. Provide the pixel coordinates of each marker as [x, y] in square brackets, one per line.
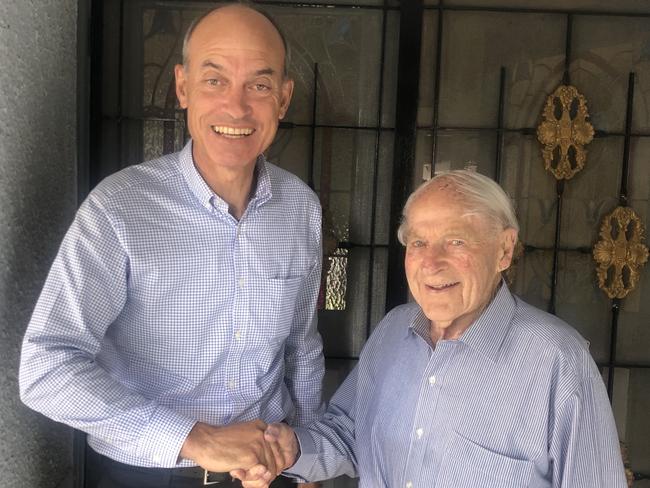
[559, 187]
[522, 10]
[583, 250]
[352, 245]
[278, 3]
[623, 364]
[623, 198]
[567, 49]
[436, 93]
[628, 133]
[405, 134]
[120, 89]
[375, 176]
[497, 162]
[527, 131]
[616, 307]
[442, 7]
[327, 5]
[310, 169]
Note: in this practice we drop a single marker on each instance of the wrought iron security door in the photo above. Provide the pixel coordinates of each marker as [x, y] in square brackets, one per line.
[388, 92]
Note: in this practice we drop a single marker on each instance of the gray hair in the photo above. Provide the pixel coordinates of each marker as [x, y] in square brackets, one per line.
[479, 193]
[243, 3]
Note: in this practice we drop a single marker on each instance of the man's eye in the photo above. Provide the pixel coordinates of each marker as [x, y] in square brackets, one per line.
[417, 243]
[261, 87]
[456, 242]
[213, 82]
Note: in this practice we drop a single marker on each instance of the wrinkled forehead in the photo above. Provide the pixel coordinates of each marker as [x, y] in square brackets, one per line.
[442, 194]
[444, 198]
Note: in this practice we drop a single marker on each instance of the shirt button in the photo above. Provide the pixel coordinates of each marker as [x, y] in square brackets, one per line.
[232, 384]
[238, 335]
[432, 380]
[241, 282]
[156, 458]
[409, 484]
[419, 433]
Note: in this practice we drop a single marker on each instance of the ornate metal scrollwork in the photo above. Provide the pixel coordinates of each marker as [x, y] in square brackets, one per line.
[620, 247]
[564, 131]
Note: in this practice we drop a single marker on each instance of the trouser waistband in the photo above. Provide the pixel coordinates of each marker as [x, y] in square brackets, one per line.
[113, 474]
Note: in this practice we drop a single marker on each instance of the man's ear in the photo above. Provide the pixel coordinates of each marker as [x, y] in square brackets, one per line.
[181, 88]
[286, 92]
[508, 241]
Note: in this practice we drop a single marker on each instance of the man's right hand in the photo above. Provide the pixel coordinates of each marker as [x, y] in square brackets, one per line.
[282, 440]
[230, 447]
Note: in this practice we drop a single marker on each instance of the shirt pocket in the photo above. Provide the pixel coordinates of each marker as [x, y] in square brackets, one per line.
[465, 464]
[273, 305]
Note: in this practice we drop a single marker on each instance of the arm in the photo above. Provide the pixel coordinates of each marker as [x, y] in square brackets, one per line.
[304, 364]
[584, 447]
[327, 447]
[59, 377]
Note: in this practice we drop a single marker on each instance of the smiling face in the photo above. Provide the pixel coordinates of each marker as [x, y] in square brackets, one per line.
[233, 88]
[453, 260]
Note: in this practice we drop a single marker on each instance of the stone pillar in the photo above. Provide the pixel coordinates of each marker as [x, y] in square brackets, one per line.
[38, 139]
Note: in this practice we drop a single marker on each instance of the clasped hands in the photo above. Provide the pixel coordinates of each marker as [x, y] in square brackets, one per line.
[253, 452]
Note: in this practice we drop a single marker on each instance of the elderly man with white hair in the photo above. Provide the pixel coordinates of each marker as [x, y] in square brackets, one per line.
[468, 386]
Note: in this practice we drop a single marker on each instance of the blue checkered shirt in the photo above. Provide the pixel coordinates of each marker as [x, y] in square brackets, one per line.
[515, 402]
[161, 310]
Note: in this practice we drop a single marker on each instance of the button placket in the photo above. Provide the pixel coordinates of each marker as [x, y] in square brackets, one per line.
[239, 313]
[426, 410]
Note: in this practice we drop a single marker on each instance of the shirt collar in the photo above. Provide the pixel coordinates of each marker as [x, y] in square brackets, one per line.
[421, 325]
[204, 193]
[487, 333]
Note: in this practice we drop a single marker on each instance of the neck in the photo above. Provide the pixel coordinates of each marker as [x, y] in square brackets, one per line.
[233, 185]
[453, 330]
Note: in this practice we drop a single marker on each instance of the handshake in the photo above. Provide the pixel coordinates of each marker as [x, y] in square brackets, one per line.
[253, 452]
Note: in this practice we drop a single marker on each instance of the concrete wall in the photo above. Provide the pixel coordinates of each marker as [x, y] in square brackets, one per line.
[38, 72]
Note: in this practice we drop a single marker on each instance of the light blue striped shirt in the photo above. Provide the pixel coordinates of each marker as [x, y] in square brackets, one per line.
[161, 310]
[516, 401]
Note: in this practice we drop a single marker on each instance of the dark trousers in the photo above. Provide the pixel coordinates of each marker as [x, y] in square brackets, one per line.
[102, 472]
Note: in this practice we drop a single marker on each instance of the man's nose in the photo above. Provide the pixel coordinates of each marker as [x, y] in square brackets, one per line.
[434, 258]
[236, 103]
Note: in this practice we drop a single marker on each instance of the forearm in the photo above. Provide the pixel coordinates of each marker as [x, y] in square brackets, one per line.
[327, 446]
[68, 386]
[324, 454]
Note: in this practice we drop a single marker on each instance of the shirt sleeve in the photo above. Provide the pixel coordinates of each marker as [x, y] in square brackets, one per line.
[327, 447]
[584, 447]
[304, 363]
[84, 292]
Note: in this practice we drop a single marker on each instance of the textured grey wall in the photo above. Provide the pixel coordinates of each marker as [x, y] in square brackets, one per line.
[37, 201]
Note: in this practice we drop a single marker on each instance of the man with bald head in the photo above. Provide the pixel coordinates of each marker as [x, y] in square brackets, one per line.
[181, 305]
[468, 386]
